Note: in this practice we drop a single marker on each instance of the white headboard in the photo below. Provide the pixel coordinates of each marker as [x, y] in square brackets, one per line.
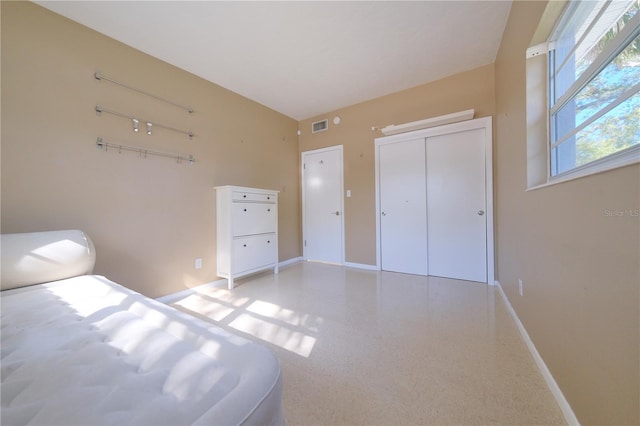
[39, 257]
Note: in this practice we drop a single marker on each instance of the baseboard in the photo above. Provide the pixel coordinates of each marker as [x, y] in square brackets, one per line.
[346, 264]
[361, 266]
[568, 413]
[290, 261]
[170, 298]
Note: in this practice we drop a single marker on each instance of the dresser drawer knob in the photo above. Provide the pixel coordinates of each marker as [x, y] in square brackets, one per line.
[245, 210]
[244, 245]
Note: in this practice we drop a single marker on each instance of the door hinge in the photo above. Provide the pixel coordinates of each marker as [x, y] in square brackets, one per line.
[305, 243]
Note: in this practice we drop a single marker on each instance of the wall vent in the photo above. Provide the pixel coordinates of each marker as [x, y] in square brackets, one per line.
[320, 126]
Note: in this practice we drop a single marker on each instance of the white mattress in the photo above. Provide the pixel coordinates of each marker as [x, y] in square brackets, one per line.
[87, 351]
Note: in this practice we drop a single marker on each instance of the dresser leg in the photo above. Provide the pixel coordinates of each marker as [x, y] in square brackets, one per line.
[230, 283]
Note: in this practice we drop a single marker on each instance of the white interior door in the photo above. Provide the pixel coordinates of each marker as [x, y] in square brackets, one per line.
[403, 215]
[456, 205]
[323, 222]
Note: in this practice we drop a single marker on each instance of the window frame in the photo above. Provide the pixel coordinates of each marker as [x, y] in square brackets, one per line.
[624, 157]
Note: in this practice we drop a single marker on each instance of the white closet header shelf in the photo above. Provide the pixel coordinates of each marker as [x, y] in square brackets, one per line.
[441, 120]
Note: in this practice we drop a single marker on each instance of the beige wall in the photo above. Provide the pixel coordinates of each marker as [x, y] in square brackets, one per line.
[471, 89]
[580, 267]
[150, 218]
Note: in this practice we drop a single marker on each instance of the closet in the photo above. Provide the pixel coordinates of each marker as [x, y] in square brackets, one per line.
[434, 201]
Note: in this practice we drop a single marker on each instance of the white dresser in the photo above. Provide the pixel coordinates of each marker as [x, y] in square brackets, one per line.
[247, 228]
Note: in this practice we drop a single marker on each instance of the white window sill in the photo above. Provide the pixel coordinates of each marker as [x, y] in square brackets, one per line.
[615, 161]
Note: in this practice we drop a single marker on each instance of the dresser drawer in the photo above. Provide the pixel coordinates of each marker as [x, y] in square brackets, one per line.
[254, 218]
[254, 252]
[253, 196]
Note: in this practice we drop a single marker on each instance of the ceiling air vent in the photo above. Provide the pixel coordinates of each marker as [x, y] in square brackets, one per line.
[320, 126]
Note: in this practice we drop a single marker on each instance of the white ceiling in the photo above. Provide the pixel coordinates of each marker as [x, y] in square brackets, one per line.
[305, 58]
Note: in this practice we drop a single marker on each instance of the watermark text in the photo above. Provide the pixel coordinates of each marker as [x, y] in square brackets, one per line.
[622, 213]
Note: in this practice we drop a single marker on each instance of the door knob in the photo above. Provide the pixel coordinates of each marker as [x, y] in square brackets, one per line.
[384, 214]
[337, 213]
[480, 212]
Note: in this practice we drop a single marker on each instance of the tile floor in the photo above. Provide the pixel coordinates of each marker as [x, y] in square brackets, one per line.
[361, 347]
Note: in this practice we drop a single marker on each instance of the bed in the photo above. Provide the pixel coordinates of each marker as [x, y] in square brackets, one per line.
[79, 349]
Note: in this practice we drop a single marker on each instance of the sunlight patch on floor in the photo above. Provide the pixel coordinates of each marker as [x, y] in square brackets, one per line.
[210, 309]
[223, 295]
[288, 316]
[285, 328]
[291, 340]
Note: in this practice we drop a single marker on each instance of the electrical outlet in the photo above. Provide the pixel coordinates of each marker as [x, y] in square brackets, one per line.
[520, 287]
[199, 263]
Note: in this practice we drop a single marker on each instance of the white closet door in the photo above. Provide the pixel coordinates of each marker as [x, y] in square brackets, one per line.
[456, 205]
[403, 215]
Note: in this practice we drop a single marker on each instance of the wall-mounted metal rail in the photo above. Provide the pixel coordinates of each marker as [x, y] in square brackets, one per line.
[148, 123]
[99, 76]
[143, 152]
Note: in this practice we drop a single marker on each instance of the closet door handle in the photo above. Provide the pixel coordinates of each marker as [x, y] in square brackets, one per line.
[337, 213]
[384, 214]
[480, 212]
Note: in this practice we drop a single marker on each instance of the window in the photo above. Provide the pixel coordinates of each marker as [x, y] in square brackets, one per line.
[594, 86]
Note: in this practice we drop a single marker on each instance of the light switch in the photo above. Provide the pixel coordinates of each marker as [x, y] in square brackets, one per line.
[348, 193]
